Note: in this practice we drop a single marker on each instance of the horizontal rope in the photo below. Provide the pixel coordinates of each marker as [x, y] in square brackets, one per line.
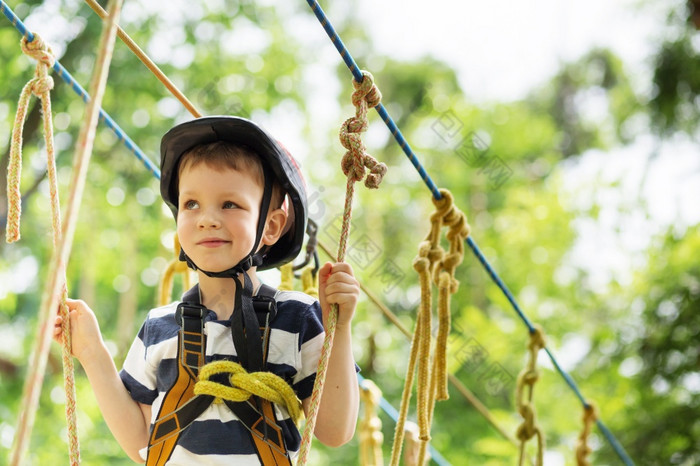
[355, 70]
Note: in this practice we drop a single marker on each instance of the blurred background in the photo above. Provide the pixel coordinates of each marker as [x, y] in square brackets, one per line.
[567, 132]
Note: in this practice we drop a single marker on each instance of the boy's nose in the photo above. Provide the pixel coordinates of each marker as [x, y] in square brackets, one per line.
[208, 220]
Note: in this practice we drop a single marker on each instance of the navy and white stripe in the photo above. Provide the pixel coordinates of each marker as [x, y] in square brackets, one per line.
[150, 369]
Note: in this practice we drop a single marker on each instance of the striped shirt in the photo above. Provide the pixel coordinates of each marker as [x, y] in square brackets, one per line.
[217, 437]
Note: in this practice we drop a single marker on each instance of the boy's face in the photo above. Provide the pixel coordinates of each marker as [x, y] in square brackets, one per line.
[218, 211]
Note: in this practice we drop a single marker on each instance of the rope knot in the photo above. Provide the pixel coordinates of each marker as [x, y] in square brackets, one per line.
[39, 86]
[528, 428]
[421, 264]
[444, 204]
[537, 340]
[245, 384]
[529, 376]
[366, 91]
[38, 50]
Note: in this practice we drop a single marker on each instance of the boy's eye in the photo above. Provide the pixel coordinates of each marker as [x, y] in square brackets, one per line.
[189, 205]
[229, 205]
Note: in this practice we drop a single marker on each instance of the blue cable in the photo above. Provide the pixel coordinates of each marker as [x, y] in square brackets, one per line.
[104, 117]
[394, 415]
[357, 74]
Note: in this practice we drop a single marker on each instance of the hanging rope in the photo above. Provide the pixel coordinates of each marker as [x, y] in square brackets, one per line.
[165, 287]
[51, 298]
[433, 264]
[286, 277]
[355, 161]
[590, 415]
[309, 281]
[527, 378]
[41, 87]
[371, 436]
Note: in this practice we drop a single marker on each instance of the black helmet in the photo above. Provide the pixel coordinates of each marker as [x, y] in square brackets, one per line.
[274, 157]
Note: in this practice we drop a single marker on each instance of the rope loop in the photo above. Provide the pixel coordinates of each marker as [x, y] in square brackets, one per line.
[527, 378]
[38, 50]
[244, 384]
[590, 415]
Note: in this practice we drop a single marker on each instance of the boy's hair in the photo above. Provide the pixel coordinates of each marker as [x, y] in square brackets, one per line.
[224, 154]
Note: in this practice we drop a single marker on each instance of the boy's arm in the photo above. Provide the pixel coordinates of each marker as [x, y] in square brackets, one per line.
[127, 419]
[337, 414]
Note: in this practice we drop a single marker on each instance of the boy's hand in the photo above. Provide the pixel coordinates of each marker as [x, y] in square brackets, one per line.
[85, 331]
[337, 285]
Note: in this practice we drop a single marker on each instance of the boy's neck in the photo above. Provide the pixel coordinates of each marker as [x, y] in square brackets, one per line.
[218, 294]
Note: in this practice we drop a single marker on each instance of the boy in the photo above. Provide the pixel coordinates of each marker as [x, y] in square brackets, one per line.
[225, 180]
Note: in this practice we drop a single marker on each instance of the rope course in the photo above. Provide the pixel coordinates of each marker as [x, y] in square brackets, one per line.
[59, 259]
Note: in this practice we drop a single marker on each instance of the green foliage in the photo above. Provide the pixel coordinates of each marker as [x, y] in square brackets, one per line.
[632, 348]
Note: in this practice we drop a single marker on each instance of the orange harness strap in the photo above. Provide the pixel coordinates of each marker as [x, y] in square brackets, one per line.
[181, 406]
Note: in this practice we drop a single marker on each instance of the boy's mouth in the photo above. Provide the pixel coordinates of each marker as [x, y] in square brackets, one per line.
[212, 242]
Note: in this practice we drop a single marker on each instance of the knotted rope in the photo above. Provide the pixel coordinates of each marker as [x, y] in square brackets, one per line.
[41, 86]
[528, 377]
[245, 384]
[354, 163]
[52, 297]
[435, 265]
[590, 414]
[371, 436]
[165, 287]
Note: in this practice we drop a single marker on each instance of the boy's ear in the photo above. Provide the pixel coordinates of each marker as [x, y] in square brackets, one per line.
[276, 220]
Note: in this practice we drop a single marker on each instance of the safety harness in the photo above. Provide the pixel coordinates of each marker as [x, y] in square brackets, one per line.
[181, 406]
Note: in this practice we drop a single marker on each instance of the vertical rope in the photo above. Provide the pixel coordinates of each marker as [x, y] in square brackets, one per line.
[165, 286]
[371, 436]
[527, 378]
[51, 296]
[287, 277]
[355, 161]
[432, 265]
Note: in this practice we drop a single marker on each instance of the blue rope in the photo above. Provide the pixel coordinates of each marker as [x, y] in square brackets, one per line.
[394, 415]
[104, 117]
[357, 74]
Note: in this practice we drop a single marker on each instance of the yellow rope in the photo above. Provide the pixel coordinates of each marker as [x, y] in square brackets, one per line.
[590, 414]
[245, 384]
[287, 277]
[309, 281]
[433, 264]
[528, 377]
[165, 287]
[371, 436]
